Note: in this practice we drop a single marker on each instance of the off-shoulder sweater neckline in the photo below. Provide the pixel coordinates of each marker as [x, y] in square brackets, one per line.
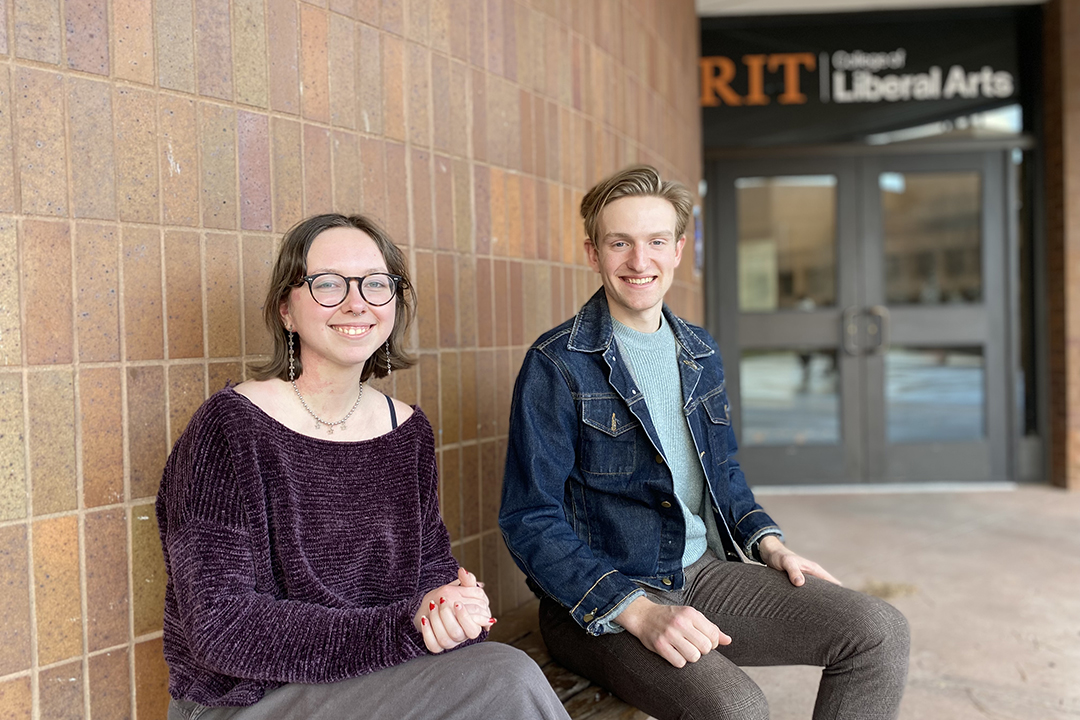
[281, 427]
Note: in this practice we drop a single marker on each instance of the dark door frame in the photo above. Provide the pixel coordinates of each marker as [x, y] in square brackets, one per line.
[722, 296]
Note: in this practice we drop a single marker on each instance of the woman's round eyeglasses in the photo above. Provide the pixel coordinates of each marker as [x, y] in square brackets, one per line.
[331, 289]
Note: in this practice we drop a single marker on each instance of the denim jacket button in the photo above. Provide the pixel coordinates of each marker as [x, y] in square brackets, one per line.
[665, 504]
[588, 617]
[659, 458]
[666, 581]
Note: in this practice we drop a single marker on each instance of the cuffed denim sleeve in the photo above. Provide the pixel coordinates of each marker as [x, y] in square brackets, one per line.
[540, 457]
[755, 542]
[606, 625]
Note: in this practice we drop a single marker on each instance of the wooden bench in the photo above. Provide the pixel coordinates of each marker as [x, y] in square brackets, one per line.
[580, 697]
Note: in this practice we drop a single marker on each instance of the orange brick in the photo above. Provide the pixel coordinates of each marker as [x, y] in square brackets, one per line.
[288, 172]
[175, 44]
[46, 257]
[419, 73]
[137, 188]
[217, 131]
[423, 207]
[393, 75]
[317, 173]
[345, 159]
[57, 595]
[253, 140]
[250, 85]
[283, 27]
[87, 43]
[314, 63]
[97, 309]
[37, 30]
[213, 41]
[397, 190]
[343, 70]
[14, 602]
[133, 40]
[42, 155]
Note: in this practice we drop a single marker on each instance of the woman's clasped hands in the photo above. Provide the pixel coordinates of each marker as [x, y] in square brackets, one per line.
[450, 614]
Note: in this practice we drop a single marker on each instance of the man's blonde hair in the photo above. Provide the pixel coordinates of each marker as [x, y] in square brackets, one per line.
[635, 181]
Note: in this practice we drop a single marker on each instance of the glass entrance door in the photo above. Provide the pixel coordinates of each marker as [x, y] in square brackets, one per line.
[861, 308]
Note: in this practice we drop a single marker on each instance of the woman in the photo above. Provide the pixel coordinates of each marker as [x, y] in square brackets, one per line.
[309, 571]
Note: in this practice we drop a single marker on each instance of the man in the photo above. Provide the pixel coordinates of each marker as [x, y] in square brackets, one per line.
[624, 505]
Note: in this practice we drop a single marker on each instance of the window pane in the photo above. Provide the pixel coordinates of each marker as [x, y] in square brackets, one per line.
[933, 245]
[789, 397]
[787, 242]
[934, 394]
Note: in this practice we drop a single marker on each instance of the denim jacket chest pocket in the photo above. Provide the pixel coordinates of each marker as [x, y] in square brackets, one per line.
[608, 451]
[717, 425]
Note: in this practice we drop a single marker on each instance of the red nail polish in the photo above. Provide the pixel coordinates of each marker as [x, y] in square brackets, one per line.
[442, 600]
[493, 621]
[430, 605]
[423, 621]
[457, 606]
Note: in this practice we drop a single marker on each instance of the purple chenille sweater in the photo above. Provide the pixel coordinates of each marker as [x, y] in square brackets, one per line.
[293, 559]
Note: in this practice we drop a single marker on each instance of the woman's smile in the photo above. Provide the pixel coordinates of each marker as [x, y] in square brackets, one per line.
[352, 330]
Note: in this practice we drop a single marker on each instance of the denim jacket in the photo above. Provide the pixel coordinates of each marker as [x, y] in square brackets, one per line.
[588, 504]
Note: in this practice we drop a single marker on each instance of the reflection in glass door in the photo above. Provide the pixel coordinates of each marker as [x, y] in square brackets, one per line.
[789, 397]
[783, 274]
[787, 262]
[932, 240]
[867, 301]
[936, 395]
[932, 237]
[787, 242]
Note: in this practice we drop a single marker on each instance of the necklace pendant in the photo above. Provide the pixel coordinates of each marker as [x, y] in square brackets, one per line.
[319, 422]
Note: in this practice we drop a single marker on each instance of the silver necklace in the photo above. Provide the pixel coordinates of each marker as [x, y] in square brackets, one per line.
[319, 422]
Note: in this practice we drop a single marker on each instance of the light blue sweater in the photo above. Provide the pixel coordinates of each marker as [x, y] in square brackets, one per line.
[653, 360]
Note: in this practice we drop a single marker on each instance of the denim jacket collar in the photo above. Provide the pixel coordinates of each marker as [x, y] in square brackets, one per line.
[593, 332]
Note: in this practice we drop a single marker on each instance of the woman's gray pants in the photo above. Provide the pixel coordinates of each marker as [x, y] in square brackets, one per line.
[488, 680]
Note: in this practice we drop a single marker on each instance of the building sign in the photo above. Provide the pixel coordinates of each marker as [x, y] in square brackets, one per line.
[857, 77]
[838, 78]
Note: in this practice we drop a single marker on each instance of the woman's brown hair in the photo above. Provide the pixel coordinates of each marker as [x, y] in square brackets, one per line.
[289, 270]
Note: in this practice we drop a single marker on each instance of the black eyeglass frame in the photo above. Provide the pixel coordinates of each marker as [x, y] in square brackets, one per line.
[398, 282]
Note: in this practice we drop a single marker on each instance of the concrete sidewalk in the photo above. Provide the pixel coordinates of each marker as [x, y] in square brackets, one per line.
[990, 582]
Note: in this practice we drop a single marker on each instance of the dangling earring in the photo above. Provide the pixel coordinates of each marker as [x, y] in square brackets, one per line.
[292, 357]
[389, 369]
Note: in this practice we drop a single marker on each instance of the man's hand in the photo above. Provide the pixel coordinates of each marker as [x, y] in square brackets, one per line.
[778, 557]
[677, 633]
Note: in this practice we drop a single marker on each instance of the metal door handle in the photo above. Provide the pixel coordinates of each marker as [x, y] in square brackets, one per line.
[879, 328]
[849, 330]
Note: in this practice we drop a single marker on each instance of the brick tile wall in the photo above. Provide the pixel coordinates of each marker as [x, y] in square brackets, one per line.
[151, 156]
